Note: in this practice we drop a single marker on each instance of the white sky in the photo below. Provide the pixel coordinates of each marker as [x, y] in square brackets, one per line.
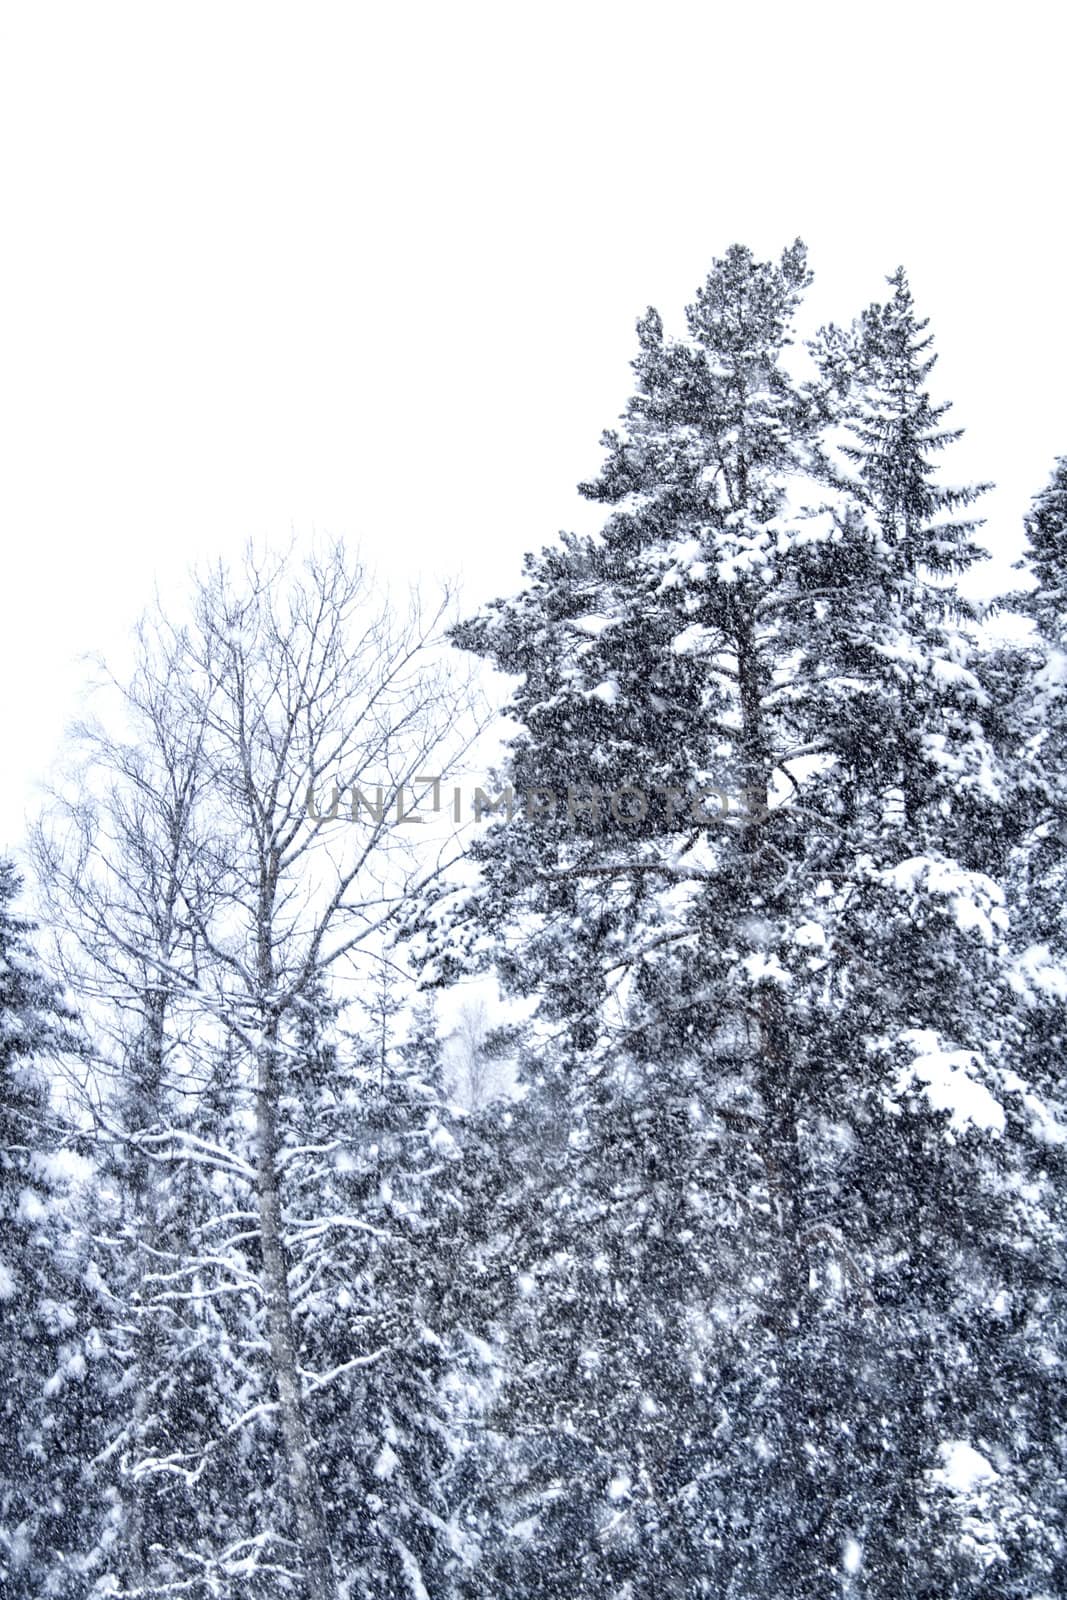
[374, 270]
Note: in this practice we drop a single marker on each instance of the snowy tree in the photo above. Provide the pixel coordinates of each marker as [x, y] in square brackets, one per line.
[764, 907]
[1044, 714]
[302, 679]
[47, 1302]
[210, 891]
[894, 433]
[365, 1155]
[1029, 1327]
[475, 1051]
[121, 863]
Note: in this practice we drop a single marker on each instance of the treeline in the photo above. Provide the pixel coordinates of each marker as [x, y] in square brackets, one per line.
[746, 1279]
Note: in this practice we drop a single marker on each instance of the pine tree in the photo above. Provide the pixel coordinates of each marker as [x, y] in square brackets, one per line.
[780, 959]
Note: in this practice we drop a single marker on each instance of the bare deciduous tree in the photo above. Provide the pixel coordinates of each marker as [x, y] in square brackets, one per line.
[473, 1068]
[253, 843]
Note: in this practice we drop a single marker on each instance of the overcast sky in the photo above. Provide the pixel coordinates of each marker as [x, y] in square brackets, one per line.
[373, 271]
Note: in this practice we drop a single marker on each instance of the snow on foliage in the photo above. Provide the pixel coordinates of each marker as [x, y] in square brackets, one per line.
[964, 1469]
[950, 1081]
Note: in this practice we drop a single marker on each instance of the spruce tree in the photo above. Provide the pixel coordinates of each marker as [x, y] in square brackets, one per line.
[363, 1121]
[47, 1303]
[1043, 711]
[1031, 1327]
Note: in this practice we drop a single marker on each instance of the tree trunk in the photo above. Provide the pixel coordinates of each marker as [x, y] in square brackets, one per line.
[303, 1484]
[782, 1555]
[144, 1109]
